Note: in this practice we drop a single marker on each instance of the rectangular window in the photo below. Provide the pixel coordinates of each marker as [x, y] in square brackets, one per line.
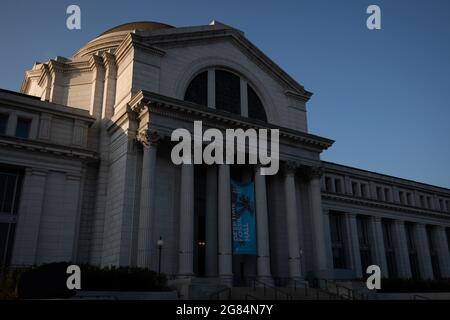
[10, 189]
[434, 254]
[328, 184]
[3, 123]
[389, 249]
[441, 205]
[23, 128]
[387, 195]
[337, 241]
[422, 201]
[338, 185]
[364, 189]
[429, 203]
[379, 194]
[401, 196]
[409, 199]
[364, 244]
[413, 260]
[355, 189]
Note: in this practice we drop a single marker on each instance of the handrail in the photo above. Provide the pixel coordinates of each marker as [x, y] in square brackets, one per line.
[275, 289]
[349, 293]
[283, 281]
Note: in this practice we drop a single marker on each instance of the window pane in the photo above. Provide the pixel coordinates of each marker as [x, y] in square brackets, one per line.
[3, 123]
[197, 91]
[255, 106]
[23, 128]
[228, 92]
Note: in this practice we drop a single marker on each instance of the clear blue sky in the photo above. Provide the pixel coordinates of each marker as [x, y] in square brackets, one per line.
[384, 96]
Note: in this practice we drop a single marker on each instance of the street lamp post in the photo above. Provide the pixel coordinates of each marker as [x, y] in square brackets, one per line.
[160, 244]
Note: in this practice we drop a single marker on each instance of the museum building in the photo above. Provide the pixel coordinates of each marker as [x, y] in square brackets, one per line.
[86, 173]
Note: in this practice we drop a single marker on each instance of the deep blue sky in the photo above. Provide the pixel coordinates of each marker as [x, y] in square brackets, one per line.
[384, 96]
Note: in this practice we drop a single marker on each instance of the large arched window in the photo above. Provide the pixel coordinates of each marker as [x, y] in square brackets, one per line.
[226, 94]
[197, 91]
[255, 106]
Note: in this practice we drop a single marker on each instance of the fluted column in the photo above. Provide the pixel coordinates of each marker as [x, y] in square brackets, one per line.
[149, 141]
[295, 271]
[224, 223]
[318, 220]
[377, 245]
[440, 239]
[211, 221]
[423, 251]
[352, 243]
[401, 250]
[186, 222]
[262, 227]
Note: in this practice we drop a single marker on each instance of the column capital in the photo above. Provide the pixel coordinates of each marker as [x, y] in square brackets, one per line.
[376, 218]
[439, 227]
[289, 167]
[148, 138]
[420, 225]
[315, 172]
[399, 222]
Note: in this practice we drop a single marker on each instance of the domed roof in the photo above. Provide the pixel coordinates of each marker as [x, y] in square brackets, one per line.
[139, 25]
[111, 38]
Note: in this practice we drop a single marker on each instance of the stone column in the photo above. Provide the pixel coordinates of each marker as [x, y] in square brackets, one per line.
[440, 240]
[423, 251]
[224, 222]
[29, 217]
[377, 245]
[401, 249]
[317, 219]
[295, 272]
[186, 222]
[262, 227]
[352, 243]
[149, 141]
[211, 221]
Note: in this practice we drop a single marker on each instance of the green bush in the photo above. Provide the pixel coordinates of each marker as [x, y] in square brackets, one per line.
[121, 279]
[49, 281]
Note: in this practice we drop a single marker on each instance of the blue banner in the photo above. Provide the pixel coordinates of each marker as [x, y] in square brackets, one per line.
[243, 218]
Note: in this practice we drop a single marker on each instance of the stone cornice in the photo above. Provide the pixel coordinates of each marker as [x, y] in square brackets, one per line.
[30, 103]
[380, 178]
[134, 41]
[168, 106]
[384, 205]
[47, 148]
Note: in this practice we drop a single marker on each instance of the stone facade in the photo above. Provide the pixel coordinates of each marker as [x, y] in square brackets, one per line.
[99, 186]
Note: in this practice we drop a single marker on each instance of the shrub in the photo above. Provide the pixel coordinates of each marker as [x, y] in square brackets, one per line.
[49, 281]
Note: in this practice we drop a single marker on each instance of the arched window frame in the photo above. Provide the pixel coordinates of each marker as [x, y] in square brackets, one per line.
[211, 89]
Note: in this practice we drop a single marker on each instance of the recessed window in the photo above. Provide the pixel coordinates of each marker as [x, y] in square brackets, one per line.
[387, 195]
[328, 184]
[197, 91]
[23, 128]
[355, 188]
[338, 185]
[364, 192]
[409, 198]
[255, 106]
[3, 123]
[228, 92]
[379, 194]
[429, 203]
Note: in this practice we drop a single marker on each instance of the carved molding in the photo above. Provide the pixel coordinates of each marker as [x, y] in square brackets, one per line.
[148, 138]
